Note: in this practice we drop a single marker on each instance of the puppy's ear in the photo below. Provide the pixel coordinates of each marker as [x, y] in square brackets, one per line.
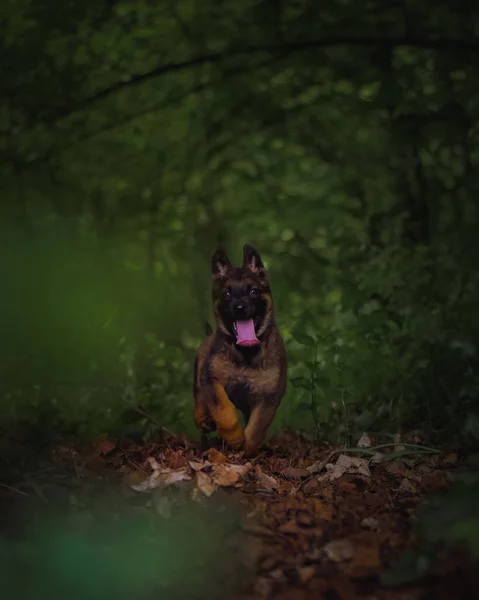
[220, 265]
[252, 261]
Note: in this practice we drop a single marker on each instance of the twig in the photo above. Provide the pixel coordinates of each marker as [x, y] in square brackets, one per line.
[38, 490]
[145, 414]
[75, 464]
[257, 530]
[421, 449]
[12, 489]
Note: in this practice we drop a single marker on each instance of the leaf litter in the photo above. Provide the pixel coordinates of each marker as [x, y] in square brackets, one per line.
[316, 521]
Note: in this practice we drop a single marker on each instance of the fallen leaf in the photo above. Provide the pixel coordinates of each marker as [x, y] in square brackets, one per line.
[339, 550]
[319, 465]
[397, 438]
[396, 468]
[205, 483]
[364, 441]
[263, 587]
[292, 527]
[370, 523]
[242, 469]
[162, 506]
[322, 510]
[305, 574]
[439, 481]
[266, 481]
[224, 475]
[416, 436]
[347, 486]
[104, 445]
[134, 478]
[365, 562]
[407, 487]
[311, 486]
[154, 464]
[295, 473]
[449, 459]
[376, 458]
[197, 465]
[215, 456]
[161, 478]
[346, 465]
[176, 459]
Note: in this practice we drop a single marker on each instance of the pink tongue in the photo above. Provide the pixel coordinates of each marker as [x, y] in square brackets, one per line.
[245, 333]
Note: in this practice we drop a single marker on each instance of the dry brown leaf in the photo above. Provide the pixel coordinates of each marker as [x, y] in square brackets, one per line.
[346, 486]
[376, 458]
[339, 550]
[370, 523]
[263, 587]
[176, 459]
[319, 465]
[242, 469]
[396, 468]
[397, 438]
[364, 441]
[305, 574]
[205, 483]
[161, 478]
[215, 456]
[266, 481]
[366, 561]
[292, 527]
[449, 459]
[407, 487]
[322, 510]
[162, 506]
[295, 473]
[154, 464]
[439, 481]
[224, 475]
[311, 486]
[104, 445]
[197, 465]
[134, 478]
[351, 465]
[218, 474]
[416, 436]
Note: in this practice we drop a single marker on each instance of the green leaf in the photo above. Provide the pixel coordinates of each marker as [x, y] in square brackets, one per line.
[304, 407]
[467, 531]
[410, 567]
[471, 425]
[301, 382]
[303, 338]
[321, 381]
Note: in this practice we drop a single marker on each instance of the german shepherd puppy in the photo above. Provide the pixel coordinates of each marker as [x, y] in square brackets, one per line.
[242, 364]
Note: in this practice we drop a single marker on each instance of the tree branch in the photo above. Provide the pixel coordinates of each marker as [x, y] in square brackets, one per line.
[439, 44]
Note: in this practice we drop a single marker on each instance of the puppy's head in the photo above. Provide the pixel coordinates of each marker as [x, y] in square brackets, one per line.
[241, 297]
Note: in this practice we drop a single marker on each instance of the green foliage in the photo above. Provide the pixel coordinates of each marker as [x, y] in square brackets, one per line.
[135, 137]
[101, 556]
[445, 521]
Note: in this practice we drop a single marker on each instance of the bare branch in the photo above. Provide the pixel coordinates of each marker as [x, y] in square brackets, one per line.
[439, 44]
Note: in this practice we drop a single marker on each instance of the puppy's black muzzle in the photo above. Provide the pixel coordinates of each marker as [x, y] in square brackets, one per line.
[241, 309]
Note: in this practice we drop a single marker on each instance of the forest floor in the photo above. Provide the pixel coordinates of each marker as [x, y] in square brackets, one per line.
[298, 521]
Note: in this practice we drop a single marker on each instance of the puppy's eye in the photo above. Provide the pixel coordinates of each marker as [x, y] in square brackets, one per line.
[253, 292]
[228, 292]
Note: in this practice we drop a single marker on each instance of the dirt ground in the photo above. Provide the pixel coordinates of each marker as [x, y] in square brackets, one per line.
[310, 521]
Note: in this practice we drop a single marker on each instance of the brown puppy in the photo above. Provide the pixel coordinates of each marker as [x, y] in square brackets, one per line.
[242, 364]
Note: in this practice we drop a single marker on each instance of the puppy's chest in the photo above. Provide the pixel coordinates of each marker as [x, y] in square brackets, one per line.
[252, 380]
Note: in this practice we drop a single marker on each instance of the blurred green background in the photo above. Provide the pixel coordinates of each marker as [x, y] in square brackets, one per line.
[341, 139]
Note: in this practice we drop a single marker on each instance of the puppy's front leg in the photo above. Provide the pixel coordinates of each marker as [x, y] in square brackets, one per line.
[225, 416]
[261, 418]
